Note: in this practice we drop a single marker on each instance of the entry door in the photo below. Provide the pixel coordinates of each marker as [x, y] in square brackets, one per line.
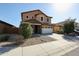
[36, 29]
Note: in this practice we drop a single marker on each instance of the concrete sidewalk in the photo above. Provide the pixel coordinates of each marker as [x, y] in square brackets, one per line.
[53, 48]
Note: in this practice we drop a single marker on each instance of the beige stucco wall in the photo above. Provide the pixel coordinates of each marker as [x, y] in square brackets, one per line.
[30, 15]
[44, 18]
[46, 26]
[57, 28]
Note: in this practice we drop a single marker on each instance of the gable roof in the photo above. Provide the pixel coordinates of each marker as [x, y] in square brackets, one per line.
[34, 11]
[63, 22]
[57, 25]
[6, 23]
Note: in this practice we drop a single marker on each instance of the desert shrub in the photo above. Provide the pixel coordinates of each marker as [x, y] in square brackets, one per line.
[19, 39]
[69, 26]
[4, 38]
[60, 32]
[72, 34]
[26, 30]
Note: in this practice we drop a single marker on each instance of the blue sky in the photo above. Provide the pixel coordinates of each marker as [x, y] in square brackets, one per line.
[11, 13]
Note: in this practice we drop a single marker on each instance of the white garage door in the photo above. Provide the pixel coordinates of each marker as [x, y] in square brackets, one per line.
[46, 30]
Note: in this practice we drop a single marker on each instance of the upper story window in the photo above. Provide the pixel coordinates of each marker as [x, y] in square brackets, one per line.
[47, 20]
[41, 18]
[26, 16]
[32, 17]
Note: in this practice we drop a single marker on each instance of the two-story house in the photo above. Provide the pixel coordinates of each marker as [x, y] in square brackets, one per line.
[40, 22]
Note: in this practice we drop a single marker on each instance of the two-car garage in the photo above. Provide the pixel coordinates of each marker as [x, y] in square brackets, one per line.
[46, 29]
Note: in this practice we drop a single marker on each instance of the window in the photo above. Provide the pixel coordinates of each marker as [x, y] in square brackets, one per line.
[47, 19]
[32, 17]
[41, 18]
[26, 16]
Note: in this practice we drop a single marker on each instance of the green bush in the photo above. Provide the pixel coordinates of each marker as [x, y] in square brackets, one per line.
[26, 30]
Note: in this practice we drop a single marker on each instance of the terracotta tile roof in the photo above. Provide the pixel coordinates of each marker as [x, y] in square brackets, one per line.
[46, 24]
[33, 21]
[56, 25]
[36, 21]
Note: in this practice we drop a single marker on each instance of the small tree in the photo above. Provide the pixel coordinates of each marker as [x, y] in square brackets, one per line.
[69, 26]
[26, 30]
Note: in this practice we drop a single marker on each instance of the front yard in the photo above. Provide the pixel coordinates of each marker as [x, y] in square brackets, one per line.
[37, 40]
[11, 45]
[27, 42]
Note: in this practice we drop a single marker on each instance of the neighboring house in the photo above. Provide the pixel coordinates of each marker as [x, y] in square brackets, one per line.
[40, 22]
[57, 28]
[6, 28]
[77, 26]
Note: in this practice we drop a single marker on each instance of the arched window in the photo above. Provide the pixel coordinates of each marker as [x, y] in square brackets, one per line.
[41, 18]
[26, 16]
[47, 19]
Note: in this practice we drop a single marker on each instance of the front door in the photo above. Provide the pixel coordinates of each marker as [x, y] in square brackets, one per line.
[37, 29]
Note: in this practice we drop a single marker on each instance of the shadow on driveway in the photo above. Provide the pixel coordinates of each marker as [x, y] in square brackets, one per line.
[7, 47]
[71, 38]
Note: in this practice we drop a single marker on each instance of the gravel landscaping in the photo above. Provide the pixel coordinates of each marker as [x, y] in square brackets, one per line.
[37, 40]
